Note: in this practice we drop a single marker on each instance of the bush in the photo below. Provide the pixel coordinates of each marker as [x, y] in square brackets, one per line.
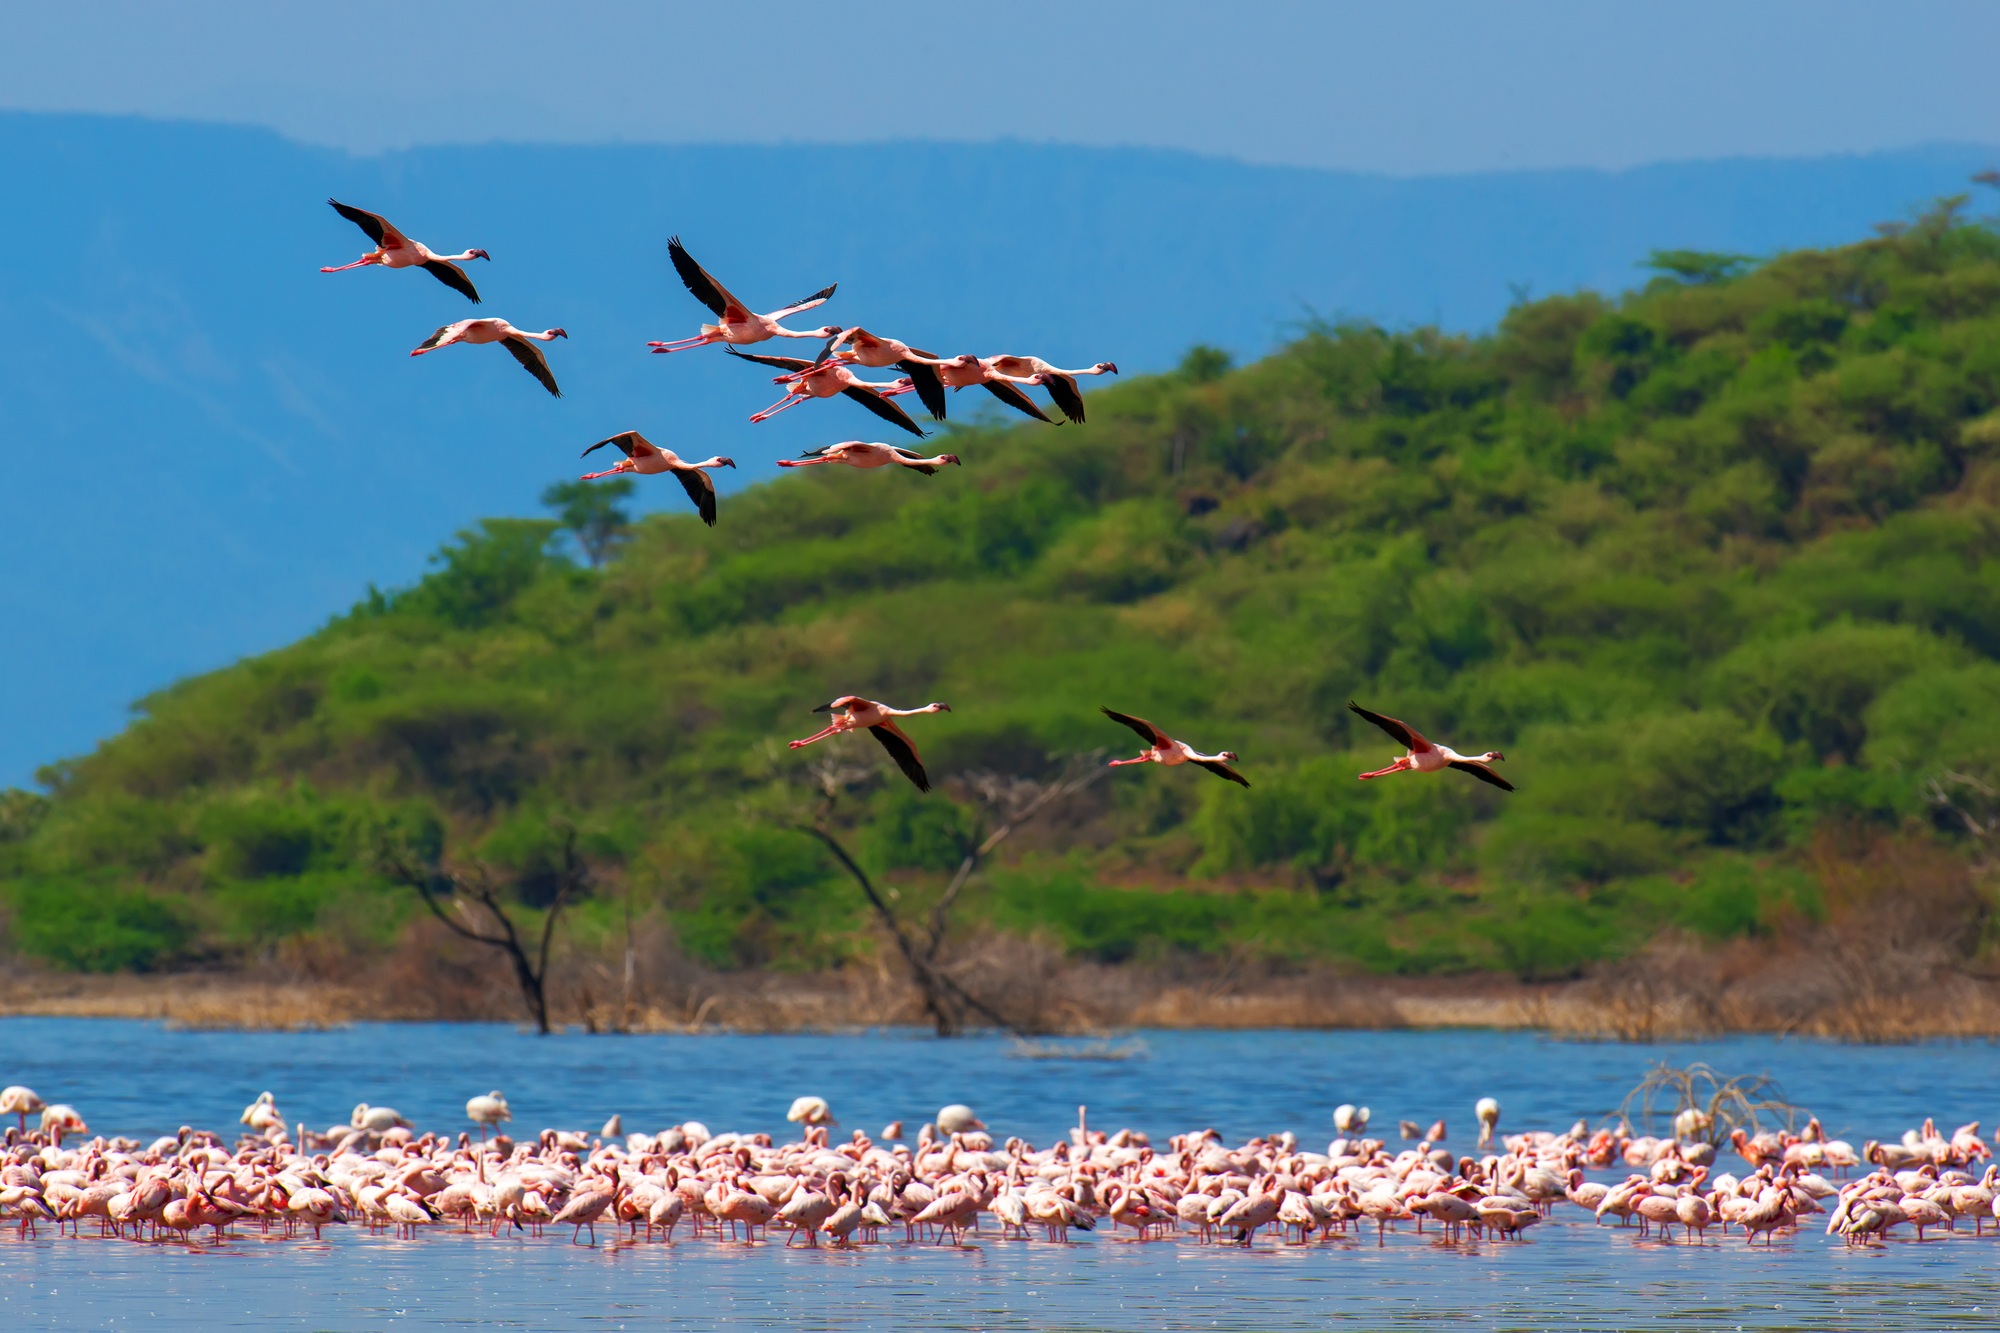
[94, 928]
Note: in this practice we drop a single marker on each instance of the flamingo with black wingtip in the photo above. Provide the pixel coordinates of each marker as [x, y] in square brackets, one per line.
[861, 453]
[395, 250]
[1164, 749]
[1426, 757]
[805, 380]
[1060, 383]
[855, 713]
[736, 323]
[648, 459]
[500, 331]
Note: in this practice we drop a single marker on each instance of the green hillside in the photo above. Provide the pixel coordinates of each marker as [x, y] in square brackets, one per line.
[1717, 564]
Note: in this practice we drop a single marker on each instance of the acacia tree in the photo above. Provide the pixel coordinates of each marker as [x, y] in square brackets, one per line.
[1002, 805]
[591, 512]
[467, 902]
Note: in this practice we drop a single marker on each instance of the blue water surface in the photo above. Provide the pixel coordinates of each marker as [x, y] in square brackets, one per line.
[142, 1079]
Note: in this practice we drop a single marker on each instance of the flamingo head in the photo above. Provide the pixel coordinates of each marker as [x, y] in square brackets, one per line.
[723, 462]
[1491, 755]
[952, 459]
[938, 708]
[829, 331]
[558, 333]
[479, 254]
[1231, 757]
[1107, 367]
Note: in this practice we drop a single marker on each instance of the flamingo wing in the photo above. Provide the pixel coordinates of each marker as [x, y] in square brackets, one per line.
[786, 363]
[882, 407]
[817, 298]
[930, 385]
[903, 752]
[700, 490]
[1015, 399]
[1065, 393]
[913, 460]
[701, 285]
[629, 442]
[377, 227]
[1222, 770]
[452, 276]
[532, 360]
[1482, 772]
[1149, 733]
[435, 339]
[1400, 731]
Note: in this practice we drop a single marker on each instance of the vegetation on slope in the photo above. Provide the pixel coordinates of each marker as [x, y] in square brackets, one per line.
[1717, 564]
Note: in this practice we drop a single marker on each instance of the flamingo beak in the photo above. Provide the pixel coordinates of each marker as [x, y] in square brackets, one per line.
[1498, 755]
[727, 462]
[953, 460]
[481, 254]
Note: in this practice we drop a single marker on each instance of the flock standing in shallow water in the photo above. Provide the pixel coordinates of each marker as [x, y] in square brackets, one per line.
[828, 374]
[377, 1172]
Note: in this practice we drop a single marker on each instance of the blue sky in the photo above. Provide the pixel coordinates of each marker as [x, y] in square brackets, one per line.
[1406, 88]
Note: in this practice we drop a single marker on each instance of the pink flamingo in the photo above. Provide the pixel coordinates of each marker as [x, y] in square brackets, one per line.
[395, 250]
[737, 323]
[500, 331]
[1164, 749]
[880, 720]
[1424, 757]
[1060, 383]
[966, 370]
[648, 459]
[859, 453]
[806, 380]
[856, 346]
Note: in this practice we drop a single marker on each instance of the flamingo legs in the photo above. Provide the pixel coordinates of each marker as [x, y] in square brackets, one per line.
[788, 401]
[1142, 759]
[362, 262]
[831, 729]
[610, 471]
[683, 344]
[1400, 766]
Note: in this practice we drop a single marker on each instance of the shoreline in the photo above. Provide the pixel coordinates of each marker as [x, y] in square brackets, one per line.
[804, 1003]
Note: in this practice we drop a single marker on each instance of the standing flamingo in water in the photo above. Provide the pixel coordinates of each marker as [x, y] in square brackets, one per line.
[1424, 757]
[395, 250]
[500, 331]
[648, 459]
[860, 453]
[736, 322]
[1164, 749]
[805, 380]
[880, 720]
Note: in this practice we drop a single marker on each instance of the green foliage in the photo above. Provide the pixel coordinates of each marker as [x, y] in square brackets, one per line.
[1716, 564]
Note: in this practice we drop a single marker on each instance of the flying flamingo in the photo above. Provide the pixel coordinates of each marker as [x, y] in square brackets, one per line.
[738, 324]
[395, 250]
[1060, 383]
[810, 379]
[880, 719]
[647, 459]
[499, 331]
[1425, 757]
[858, 453]
[856, 346]
[965, 370]
[1164, 749]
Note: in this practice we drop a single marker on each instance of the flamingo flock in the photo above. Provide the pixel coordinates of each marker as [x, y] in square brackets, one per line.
[956, 1180]
[831, 373]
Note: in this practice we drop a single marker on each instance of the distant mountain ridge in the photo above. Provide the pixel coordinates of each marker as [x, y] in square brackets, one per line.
[212, 446]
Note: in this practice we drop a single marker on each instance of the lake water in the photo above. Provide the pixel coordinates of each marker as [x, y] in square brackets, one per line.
[141, 1079]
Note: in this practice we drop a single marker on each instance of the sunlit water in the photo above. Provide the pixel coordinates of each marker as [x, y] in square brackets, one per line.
[140, 1079]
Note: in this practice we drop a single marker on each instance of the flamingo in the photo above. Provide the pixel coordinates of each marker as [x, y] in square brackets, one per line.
[647, 459]
[958, 1117]
[500, 331]
[856, 346]
[880, 720]
[395, 250]
[1487, 1112]
[806, 380]
[965, 370]
[811, 1111]
[21, 1103]
[377, 1119]
[585, 1207]
[1060, 383]
[737, 324]
[1424, 757]
[59, 1119]
[1164, 749]
[488, 1111]
[860, 453]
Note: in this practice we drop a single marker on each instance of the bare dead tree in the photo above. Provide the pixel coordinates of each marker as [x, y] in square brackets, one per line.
[467, 902]
[1016, 801]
